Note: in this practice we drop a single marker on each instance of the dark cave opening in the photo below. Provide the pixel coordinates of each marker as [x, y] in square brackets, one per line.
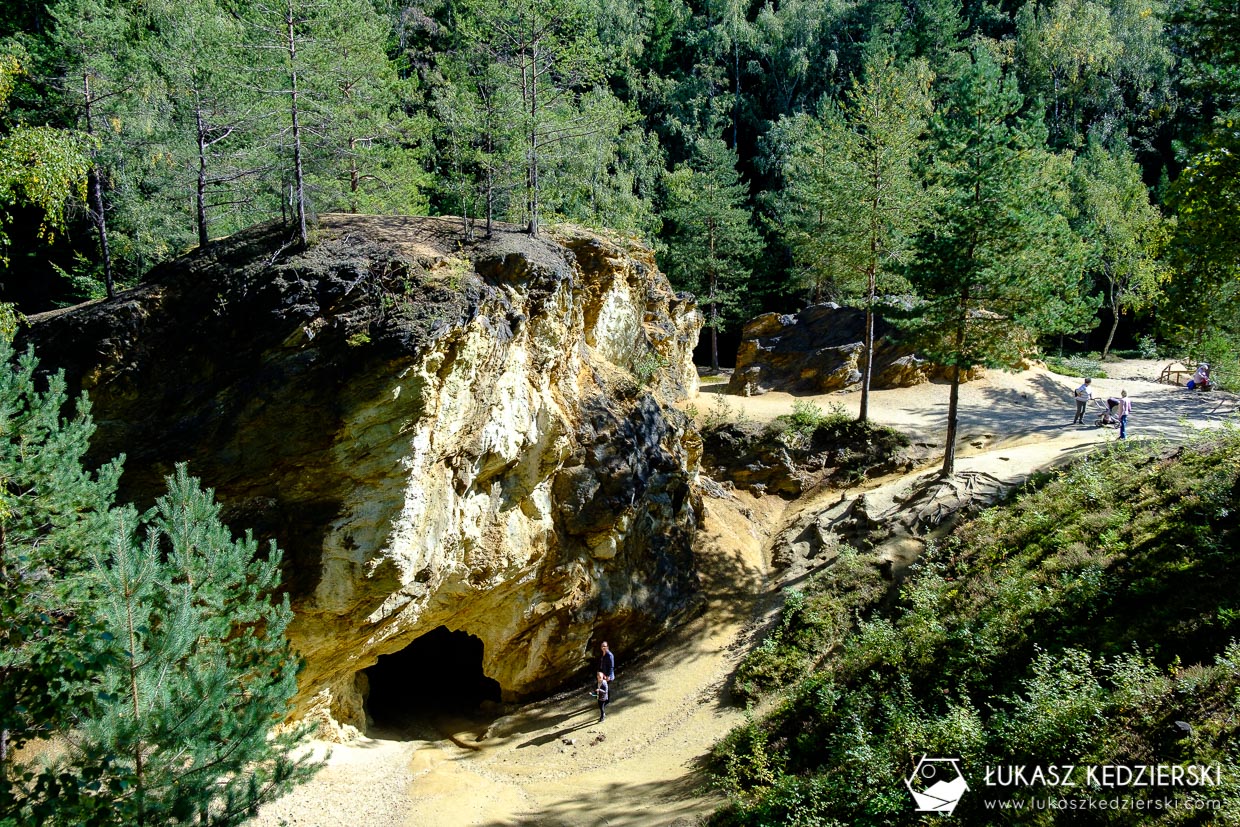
[439, 672]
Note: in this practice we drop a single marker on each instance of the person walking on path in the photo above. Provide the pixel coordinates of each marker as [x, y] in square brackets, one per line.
[1125, 408]
[1082, 395]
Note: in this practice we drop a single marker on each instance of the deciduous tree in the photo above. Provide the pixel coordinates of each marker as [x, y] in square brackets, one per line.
[1124, 232]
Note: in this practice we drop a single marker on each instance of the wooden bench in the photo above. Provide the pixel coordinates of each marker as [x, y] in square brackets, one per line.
[1176, 374]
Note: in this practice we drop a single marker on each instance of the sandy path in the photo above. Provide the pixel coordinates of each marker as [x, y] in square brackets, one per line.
[551, 764]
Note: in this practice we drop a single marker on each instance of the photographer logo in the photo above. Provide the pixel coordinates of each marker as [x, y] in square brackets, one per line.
[936, 784]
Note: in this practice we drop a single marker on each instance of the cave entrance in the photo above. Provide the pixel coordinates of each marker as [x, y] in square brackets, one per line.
[439, 672]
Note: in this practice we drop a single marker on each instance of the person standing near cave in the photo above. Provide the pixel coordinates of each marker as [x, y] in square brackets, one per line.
[604, 697]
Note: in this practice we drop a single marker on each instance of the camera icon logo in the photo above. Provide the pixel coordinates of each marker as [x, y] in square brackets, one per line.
[937, 784]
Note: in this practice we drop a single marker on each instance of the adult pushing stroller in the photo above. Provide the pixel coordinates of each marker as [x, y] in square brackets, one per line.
[1108, 414]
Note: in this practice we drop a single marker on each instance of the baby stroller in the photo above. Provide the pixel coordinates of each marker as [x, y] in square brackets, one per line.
[1108, 414]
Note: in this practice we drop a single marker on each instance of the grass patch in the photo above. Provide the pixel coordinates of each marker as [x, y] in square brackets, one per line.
[1076, 366]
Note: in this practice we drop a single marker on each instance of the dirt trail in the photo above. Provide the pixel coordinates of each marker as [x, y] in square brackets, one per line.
[551, 763]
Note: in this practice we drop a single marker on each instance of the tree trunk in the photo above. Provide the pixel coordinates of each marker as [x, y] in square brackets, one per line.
[714, 338]
[1111, 336]
[533, 177]
[490, 199]
[200, 202]
[299, 182]
[953, 407]
[1114, 301]
[355, 183]
[97, 214]
[953, 404]
[867, 362]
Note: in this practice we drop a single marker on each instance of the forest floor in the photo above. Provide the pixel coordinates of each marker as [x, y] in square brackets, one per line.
[552, 763]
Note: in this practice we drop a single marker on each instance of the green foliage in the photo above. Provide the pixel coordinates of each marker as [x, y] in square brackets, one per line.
[998, 262]
[851, 198]
[1124, 231]
[52, 515]
[39, 165]
[1070, 626]
[712, 242]
[205, 671]
[648, 365]
[815, 620]
[148, 651]
[798, 427]
[1202, 297]
[1090, 62]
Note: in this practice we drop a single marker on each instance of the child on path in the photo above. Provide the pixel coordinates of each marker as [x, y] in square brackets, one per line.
[604, 696]
[606, 672]
[1125, 408]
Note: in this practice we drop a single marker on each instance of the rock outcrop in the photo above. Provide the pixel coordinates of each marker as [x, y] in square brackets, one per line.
[818, 351]
[438, 433]
[783, 460]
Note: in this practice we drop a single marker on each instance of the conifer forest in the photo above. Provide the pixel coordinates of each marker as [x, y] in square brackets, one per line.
[773, 152]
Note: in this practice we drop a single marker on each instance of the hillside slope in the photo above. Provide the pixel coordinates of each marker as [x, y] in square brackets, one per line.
[1091, 622]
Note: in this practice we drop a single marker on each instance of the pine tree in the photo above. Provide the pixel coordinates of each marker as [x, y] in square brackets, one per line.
[52, 513]
[550, 52]
[997, 263]
[204, 670]
[152, 647]
[852, 198]
[98, 71]
[712, 242]
[211, 118]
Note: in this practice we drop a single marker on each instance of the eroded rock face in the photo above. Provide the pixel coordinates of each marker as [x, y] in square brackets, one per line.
[819, 350]
[436, 432]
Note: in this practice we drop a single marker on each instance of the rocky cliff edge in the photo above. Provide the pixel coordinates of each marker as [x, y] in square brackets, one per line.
[437, 432]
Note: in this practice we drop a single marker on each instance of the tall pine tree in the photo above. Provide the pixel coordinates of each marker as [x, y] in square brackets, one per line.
[711, 242]
[852, 197]
[997, 263]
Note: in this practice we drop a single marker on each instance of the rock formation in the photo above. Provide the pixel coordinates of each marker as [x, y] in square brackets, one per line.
[818, 351]
[438, 432]
[789, 462]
